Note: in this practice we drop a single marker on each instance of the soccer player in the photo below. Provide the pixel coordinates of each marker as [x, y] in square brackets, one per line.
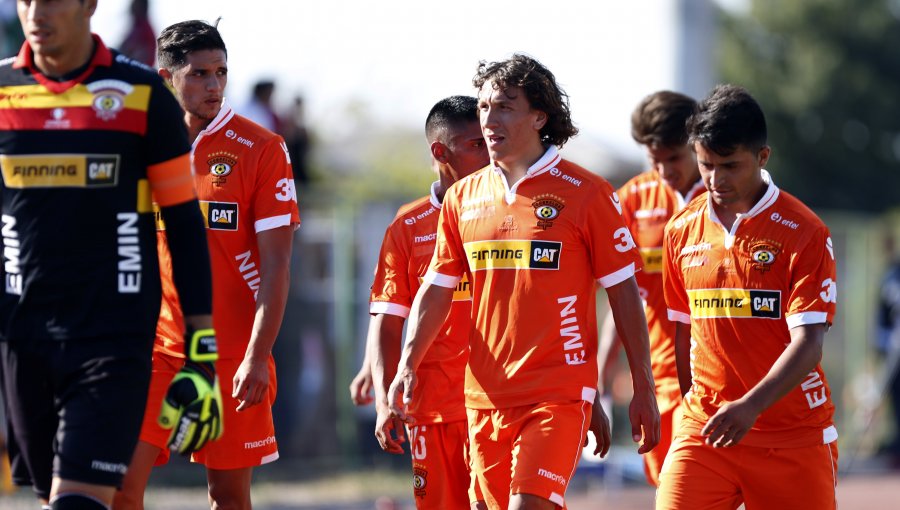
[243, 178]
[534, 234]
[648, 201]
[749, 277]
[438, 439]
[86, 135]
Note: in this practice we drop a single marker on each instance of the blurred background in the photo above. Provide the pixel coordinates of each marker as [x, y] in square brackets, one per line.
[348, 84]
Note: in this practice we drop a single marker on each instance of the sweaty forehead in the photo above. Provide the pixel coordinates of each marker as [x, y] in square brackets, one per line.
[490, 91]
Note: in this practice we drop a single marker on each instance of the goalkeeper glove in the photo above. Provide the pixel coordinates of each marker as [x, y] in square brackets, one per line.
[192, 407]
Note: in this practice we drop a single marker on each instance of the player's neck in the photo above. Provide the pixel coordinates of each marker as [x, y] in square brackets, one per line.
[195, 125]
[70, 59]
[516, 166]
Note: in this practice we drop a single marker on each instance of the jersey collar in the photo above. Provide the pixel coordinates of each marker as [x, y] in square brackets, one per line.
[222, 118]
[25, 59]
[432, 197]
[549, 160]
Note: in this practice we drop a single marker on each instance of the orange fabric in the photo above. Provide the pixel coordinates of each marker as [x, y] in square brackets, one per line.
[741, 291]
[647, 204]
[699, 476]
[405, 253]
[440, 465]
[527, 450]
[249, 436]
[244, 182]
[534, 255]
[669, 404]
[171, 181]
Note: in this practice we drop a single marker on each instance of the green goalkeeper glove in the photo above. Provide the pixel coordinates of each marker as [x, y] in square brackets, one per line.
[192, 407]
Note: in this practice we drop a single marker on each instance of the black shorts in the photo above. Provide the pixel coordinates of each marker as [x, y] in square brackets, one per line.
[75, 407]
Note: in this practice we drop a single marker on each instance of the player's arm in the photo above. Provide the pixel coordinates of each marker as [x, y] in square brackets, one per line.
[607, 354]
[361, 386]
[383, 344]
[251, 381]
[631, 323]
[683, 356]
[428, 314]
[729, 425]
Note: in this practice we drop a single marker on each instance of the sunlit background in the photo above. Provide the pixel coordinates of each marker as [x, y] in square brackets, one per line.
[826, 72]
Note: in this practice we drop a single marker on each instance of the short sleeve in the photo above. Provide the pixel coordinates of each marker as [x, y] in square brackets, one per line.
[449, 261]
[673, 282]
[812, 297]
[391, 288]
[613, 254]
[275, 197]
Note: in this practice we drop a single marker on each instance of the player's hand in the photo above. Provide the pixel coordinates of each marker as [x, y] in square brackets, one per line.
[601, 428]
[400, 394]
[361, 386]
[192, 407]
[250, 383]
[389, 430]
[730, 424]
[644, 415]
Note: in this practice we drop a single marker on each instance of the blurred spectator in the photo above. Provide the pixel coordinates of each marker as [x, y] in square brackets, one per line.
[297, 138]
[140, 43]
[259, 108]
[11, 37]
[889, 346]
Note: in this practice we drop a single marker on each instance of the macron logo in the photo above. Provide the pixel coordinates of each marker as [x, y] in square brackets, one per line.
[552, 476]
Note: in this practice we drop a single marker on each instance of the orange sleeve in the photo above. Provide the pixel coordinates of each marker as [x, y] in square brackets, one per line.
[171, 181]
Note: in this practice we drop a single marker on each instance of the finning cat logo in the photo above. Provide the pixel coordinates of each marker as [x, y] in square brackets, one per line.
[763, 254]
[109, 97]
[546, 209]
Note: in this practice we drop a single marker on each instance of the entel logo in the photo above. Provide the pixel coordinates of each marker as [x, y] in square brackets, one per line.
[230, 134]
[777, 218]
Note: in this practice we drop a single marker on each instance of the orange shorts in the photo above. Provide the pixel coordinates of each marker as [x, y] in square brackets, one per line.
[696, 475]
[527, 450]
[669, 403]
[440, 462]
[249, 436]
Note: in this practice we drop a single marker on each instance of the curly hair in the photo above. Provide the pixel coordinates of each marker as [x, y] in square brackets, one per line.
[541, 90]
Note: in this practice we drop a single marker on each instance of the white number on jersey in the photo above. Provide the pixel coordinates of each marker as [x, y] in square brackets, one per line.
[286, 190]
[626, 242]
[829, 295]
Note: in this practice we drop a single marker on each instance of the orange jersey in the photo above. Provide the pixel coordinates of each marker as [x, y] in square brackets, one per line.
[534, 254]
[741, 291]
[243, 177]
[405, 253]
[647, 204]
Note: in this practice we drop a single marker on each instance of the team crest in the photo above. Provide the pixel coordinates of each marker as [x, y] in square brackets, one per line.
[220, 165]
[546, 209]
[109, 97]
[420, 481]
[763, 254]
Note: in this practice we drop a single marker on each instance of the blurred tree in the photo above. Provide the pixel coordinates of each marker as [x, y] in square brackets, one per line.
[826, 73]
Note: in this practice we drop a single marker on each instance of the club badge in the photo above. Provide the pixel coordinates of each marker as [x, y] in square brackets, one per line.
[546, 209]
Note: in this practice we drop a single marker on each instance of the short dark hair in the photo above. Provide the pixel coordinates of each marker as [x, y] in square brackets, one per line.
[541, 90]
[176, 41]
[727, 119]
[449, 113]
[659, 120]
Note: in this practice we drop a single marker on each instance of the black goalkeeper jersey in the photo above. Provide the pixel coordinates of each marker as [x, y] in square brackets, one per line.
[79, 242]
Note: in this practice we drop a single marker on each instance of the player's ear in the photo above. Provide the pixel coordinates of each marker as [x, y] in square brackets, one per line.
[540, 120]
[165, 74]
[763, 156]
[439, 152]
